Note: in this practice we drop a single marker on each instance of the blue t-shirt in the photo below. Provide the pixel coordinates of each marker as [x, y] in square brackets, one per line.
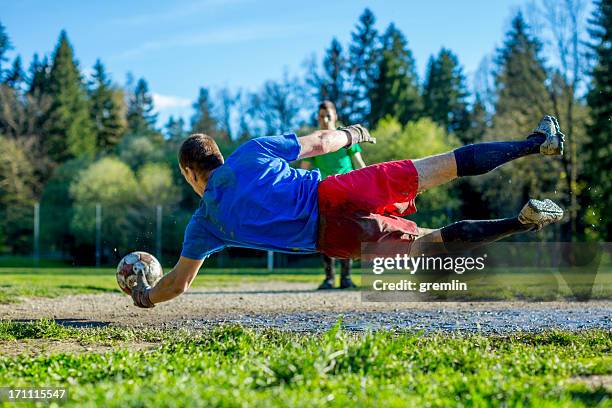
[256, 200]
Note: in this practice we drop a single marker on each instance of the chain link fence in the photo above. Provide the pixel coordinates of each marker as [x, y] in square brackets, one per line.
[94, 234]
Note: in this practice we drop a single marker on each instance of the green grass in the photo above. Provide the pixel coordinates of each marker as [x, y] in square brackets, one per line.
[513, 285]
[50, 330]
[234, 366]
[55, 282]
[22, 261]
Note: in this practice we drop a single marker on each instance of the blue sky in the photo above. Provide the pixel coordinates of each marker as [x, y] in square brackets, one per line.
[178, 46]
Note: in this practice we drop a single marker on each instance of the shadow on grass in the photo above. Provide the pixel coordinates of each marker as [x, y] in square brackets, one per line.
[254, 292]
[76, 323]
[81, 323]
[591, 397]
[87, 287]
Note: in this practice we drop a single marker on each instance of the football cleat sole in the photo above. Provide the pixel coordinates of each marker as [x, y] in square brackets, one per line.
[540, 213]
[549, 127]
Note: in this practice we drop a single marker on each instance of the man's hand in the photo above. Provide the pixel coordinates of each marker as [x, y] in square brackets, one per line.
[357, 134]
[140, 292]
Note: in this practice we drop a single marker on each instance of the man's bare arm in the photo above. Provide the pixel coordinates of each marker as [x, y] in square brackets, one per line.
[328, 141]
[176, 281]
[322, 142]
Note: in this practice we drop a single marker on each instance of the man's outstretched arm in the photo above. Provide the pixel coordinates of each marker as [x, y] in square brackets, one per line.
[328, 141]
[170, 286]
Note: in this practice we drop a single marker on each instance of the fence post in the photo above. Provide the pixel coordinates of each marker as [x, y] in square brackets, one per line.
[158, 236]
[98, 234]
[270, 261]
[36, 234]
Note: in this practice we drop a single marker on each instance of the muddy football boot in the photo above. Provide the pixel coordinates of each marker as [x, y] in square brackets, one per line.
[347, 283]
[326, 284]
[549, 128]
[540, 213]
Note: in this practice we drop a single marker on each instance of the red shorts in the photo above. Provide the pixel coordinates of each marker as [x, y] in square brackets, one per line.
[365, 205]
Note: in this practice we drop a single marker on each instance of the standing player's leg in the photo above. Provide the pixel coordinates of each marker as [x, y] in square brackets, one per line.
[345, 275]
[480, 158]
[330, 273]
[469, 234]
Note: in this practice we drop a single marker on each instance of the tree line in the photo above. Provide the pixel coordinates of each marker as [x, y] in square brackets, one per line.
[68, 140]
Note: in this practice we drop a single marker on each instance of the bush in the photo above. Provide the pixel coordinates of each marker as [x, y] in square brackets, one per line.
[137, 150]
[17, 184]
[112, 184]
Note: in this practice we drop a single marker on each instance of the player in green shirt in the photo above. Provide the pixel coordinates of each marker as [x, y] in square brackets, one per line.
[338, 162]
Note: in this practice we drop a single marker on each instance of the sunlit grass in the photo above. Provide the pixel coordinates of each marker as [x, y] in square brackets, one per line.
[55, 282]
[234, 366]
[525, 284]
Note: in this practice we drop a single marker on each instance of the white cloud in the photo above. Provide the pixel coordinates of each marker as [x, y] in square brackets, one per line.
[87, 72]
[176, 12]
[215, 37]
[165, 102]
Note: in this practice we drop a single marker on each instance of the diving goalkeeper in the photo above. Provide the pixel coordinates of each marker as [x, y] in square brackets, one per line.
[254, 199]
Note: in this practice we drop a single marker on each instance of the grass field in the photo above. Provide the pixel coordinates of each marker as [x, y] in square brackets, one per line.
[233, 366]
[521, 285]
[54, 282]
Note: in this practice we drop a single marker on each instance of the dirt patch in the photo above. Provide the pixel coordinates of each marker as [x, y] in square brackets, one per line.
[235, 303]
[37, 347]
[595, 381]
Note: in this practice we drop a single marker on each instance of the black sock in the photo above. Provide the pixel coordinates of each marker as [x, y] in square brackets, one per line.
[468, 234]
[328, 262]
[345, 264]
[481, 158]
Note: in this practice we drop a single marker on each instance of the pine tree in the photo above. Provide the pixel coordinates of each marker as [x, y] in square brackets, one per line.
[244, 130]
[38, 76]
[277, 106]
[71, 131]
[140, 111]
[472, 207]
[16, 75]
[445, 93]
[14, 119]
[364, 54]
[478, 123]
[332, 85]
[522, 98]
[395, 90]
[39, 102]
[599, 148]
[203, 120]
[245, 118]
[5, 46]
[175, 130]
[107, 110]
[227, 102]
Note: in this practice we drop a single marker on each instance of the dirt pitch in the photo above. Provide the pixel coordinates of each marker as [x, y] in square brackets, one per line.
[297, 306]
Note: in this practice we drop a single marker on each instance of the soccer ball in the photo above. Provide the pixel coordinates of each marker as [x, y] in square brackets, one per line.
[133, 263]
